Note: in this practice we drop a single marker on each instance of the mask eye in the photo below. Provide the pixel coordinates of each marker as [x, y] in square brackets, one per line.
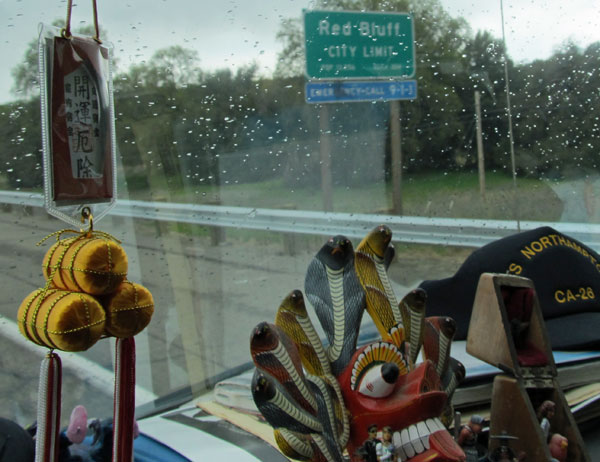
[376, 353]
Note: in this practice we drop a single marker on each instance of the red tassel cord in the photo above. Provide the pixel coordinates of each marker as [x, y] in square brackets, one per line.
[48, 418]
[124, 407]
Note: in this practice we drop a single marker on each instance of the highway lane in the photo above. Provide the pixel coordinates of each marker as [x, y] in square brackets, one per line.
[207, 299]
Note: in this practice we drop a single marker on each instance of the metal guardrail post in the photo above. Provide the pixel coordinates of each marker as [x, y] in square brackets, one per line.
[289, 239]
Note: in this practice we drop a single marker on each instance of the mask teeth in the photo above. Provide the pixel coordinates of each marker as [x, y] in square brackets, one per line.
[414, 439]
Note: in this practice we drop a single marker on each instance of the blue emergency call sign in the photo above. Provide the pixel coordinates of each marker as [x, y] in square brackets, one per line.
[347, 91]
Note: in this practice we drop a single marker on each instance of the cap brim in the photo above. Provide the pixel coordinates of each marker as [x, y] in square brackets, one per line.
[579, 331]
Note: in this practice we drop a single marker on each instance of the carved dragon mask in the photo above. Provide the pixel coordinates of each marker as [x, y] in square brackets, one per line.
[321, 399]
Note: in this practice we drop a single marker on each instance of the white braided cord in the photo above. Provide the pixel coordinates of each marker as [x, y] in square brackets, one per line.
[47, 411]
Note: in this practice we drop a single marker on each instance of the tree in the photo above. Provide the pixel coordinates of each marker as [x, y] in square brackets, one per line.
[26, 74]
[290, 61]
[172, 67]
[484, 72]
[20, 144]
[184, 122]
[557, 119]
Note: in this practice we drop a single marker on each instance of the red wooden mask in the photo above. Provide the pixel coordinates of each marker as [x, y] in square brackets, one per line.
[323, 400]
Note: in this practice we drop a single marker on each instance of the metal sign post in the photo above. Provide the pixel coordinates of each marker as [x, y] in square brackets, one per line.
[396, 148]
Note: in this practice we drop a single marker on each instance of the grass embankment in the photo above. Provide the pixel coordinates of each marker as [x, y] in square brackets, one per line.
[435, 194]
[454, 195]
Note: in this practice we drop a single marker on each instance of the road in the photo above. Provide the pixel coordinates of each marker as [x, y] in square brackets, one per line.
[222, 291]
[208, 296]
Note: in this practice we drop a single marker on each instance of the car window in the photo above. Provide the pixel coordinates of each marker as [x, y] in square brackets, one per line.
[229, 179]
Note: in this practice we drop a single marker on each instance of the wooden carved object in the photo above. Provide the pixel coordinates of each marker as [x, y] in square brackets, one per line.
[322, 399]
[507, 330]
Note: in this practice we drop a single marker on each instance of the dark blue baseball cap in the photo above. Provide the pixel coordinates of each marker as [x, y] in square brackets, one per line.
[565, 273]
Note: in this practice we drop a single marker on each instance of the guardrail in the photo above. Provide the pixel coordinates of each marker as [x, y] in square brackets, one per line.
[410, 229]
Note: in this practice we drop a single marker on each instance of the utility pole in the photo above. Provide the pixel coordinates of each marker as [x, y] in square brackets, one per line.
[325, 153]
[480, 161]
[510, 127]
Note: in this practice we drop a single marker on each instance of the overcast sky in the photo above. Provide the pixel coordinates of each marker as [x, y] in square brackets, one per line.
[235, 32]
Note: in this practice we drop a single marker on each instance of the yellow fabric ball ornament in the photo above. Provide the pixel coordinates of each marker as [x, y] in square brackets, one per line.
[68, 321]
[128, 310]
[94, 264]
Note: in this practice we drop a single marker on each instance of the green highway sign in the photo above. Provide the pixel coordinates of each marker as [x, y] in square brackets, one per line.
[352, 44]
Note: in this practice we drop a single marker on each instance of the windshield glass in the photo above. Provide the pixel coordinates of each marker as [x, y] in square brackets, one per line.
[242, 146]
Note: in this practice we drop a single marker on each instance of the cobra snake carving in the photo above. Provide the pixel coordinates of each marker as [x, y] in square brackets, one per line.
[320, 399]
